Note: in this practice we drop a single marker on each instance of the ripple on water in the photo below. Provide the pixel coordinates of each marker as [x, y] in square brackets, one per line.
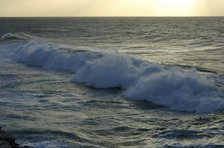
[181, 134]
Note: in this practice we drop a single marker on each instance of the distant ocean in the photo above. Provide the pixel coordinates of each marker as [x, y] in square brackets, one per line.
[113, 82]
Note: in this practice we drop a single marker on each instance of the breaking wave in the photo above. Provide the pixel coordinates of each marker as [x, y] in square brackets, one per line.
[174, 87]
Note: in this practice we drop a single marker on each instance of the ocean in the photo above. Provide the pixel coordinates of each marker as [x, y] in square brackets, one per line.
[113, 82]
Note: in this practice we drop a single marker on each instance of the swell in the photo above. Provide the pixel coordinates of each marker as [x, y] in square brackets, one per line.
[18, 35]
[173, 87]
[52, 138]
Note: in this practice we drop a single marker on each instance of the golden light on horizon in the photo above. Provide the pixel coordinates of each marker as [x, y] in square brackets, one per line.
[112, 8]
[173, 7]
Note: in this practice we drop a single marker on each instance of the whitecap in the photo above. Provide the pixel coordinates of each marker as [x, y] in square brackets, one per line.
[174, 87]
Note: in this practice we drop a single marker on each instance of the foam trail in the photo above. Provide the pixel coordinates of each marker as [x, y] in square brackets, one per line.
[179, 89]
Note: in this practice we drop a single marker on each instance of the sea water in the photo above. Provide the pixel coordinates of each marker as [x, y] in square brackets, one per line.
[113, 82]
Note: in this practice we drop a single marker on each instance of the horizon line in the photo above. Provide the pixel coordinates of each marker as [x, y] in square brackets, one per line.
[106, 16]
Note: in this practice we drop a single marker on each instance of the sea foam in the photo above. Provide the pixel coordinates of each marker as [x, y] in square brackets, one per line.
[173, 87]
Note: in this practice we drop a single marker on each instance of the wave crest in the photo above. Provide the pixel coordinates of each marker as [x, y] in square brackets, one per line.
[19, 35]
[174, 87]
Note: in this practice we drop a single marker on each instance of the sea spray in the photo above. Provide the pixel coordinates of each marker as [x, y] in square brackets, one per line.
[174, 87]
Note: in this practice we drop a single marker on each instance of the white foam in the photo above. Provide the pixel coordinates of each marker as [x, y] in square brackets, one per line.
[184, 90]
[48, 56]
[180, 90]
[112, 70]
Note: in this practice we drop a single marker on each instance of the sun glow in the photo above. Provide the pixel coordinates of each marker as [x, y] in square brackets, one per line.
[111, 8]
[173, 7]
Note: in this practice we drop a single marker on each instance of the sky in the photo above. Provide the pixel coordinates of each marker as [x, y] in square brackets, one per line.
[17, 8]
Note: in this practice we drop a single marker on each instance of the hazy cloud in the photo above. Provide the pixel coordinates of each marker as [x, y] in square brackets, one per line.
[103, 7]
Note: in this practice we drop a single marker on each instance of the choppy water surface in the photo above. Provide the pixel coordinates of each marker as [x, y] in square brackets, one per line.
[113, 82]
